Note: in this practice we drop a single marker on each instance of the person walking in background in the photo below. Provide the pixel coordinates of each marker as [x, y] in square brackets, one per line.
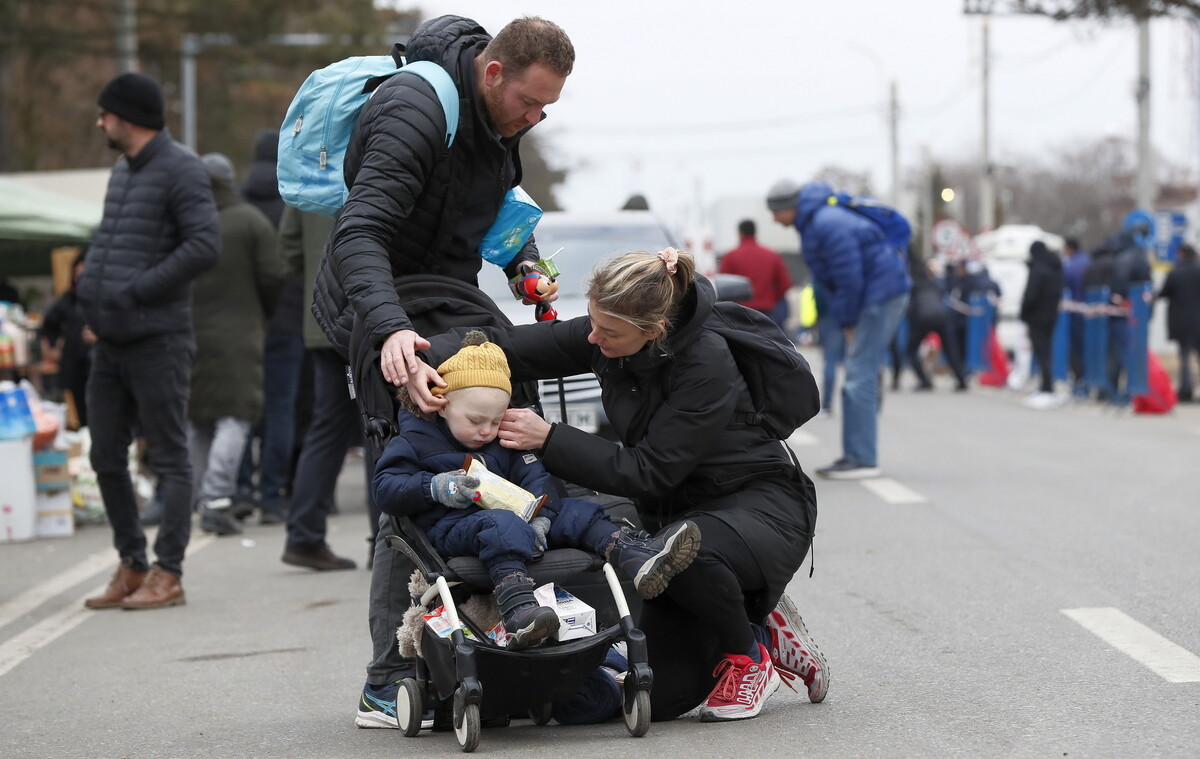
[765, 269]
[67, 342]
[1039, 310]
[158, 233]
[231, 304]
[1182, 289]
[1075, 264]
[283, 359]
[1130, 267]
[335, 425]
[868, 287]
[928, 314]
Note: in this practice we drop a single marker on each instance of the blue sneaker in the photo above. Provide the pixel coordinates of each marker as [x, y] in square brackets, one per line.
[377, 706]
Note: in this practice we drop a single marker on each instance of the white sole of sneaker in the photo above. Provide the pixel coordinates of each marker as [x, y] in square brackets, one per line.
[862, 473]
[375, 720]
[679, 549]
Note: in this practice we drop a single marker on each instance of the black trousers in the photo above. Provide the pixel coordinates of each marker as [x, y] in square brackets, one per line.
[951, 349]
[1041, 340]
[144, 384]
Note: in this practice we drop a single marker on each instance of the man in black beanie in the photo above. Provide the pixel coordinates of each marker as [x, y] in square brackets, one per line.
[159, 231]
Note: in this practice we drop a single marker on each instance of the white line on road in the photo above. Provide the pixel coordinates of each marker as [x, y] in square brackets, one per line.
[1124, 633]
[800, 437]
[35, 597]
[26, 644]
[892, 491]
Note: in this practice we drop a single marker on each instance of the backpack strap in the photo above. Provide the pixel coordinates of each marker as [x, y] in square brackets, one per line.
[445, 89]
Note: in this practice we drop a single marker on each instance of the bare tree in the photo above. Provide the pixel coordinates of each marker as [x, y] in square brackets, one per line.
[1064, 10]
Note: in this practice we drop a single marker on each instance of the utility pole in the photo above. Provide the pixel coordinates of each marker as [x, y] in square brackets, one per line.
[127, 39]
[1144, 191]
[987, 192]
[893, 128]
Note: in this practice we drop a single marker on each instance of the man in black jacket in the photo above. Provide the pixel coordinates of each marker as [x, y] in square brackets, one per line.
[416, 207]
[159, 231]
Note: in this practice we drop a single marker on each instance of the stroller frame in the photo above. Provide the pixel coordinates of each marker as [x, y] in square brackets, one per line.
[458, 666]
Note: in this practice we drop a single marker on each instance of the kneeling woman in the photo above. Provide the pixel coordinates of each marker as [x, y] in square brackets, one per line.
[723, 633]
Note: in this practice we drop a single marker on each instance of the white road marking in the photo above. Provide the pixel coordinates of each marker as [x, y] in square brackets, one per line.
[26, 644]
[36, 596]
[1173, 663]
[892, 491]
[800, 437]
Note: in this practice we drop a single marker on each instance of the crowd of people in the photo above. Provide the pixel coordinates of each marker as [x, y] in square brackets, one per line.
[192, 299]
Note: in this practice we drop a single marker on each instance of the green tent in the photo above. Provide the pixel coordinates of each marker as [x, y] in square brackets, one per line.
[32, 221]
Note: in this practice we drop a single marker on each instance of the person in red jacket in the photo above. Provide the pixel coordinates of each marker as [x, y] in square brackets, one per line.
[765, 269]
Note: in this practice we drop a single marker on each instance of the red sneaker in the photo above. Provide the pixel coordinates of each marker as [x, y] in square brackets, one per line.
[793, 652]
[743, 686]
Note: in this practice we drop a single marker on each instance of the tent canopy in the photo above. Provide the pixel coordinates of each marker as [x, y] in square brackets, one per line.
[32, 215]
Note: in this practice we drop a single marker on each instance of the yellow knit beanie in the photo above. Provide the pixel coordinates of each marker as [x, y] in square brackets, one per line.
[478, 364]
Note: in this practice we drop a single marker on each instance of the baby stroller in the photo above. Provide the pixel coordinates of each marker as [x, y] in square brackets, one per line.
[469, 674]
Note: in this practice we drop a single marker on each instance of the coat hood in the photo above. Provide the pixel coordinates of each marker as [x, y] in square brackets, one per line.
[1040, 255]
[813, 195]
[439, 39]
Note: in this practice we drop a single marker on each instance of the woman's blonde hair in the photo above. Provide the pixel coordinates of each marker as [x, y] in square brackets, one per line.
[642, 288]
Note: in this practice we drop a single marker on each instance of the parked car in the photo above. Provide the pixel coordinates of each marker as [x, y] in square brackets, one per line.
[578, 242]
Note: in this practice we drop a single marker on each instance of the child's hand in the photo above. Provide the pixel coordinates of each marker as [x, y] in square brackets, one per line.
[541, 528]
[457, 490]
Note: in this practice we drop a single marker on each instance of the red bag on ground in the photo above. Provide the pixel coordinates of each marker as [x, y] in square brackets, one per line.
[997, 376]
[1162, 397]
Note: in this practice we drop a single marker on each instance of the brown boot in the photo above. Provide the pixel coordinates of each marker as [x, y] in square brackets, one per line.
[123, 583]
[159, 589]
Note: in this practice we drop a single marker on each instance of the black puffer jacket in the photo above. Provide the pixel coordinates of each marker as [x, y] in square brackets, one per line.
[675, 411]
[158, 232]
[1043, 289]
[414, 206]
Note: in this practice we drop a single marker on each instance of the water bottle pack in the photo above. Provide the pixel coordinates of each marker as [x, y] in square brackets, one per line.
[16, 418]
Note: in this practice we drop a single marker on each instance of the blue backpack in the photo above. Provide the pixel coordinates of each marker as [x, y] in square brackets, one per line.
[896, 229]
[316, 130]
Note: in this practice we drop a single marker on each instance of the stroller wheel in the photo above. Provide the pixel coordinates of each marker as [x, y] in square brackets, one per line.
[409, 709]
[637, 714]
[466, 723]
[541, 714]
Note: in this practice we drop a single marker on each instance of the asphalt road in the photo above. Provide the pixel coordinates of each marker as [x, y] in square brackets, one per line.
[1021, 583]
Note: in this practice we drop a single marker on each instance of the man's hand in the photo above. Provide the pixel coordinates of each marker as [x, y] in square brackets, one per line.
[419, 390]
[398, 356]
[523, 430]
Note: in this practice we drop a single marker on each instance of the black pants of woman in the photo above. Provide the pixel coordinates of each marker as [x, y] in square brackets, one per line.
[1041, 341]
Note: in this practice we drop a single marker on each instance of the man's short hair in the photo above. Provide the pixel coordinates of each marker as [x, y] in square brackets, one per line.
[1072, 243]
[1187, 252]
[746, 228]
[529, 40]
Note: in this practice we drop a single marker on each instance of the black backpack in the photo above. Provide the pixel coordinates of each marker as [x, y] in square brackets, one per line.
[781, 384]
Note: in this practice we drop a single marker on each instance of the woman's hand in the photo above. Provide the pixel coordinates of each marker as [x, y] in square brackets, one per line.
[419, 390]
[523, 430]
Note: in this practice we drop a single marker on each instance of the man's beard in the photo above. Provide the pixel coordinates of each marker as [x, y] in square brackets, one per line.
[113, 144]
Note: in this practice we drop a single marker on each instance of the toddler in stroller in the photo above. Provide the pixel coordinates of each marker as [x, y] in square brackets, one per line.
[419, 476]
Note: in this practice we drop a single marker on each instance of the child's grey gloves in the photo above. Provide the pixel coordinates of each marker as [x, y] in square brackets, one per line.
[454, 489]
[541, 528]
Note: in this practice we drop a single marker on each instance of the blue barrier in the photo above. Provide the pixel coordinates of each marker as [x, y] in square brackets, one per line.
[1060, 345]
[1095, 341]
[1137, 374]
[979, 323]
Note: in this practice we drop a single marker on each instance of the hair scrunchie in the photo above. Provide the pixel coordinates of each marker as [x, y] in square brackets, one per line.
[669, 257]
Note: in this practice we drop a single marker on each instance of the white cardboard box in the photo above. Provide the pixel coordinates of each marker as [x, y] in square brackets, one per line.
[55, 514]
[575, 618]
[17, 514]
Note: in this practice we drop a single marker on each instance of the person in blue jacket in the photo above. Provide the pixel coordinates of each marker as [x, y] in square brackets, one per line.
[868, 284]
[421, 476]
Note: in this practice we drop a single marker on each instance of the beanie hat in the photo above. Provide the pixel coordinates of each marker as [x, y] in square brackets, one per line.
[783, 195]
[218, 167]
[478, 364]
[135, 98]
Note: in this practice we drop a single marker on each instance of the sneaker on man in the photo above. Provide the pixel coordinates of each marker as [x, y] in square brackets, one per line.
[845, 469]
[377, 706]
[217, 516]
[743, 686]
[794, 653]
[651, 561]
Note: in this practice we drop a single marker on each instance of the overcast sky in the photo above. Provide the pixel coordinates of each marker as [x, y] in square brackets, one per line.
[689, 101]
